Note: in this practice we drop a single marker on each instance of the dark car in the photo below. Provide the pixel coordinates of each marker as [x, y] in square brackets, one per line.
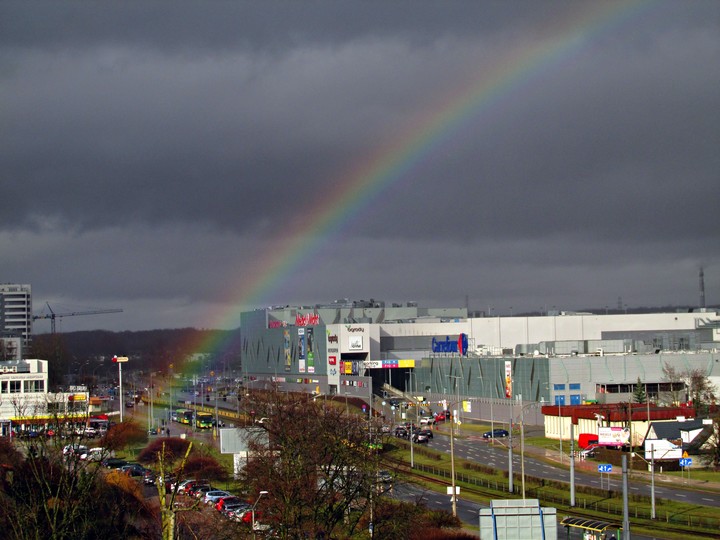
[496, 434]
[427, 432]
[420, 438]
[113, 463]
[133, 469]
[401, 432]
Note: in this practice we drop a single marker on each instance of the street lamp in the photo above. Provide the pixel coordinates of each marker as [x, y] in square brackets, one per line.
[120, 360]
[452, 450]
[253, 509]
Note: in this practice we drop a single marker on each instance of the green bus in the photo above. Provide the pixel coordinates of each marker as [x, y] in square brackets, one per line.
[184, 416]
[204, 420]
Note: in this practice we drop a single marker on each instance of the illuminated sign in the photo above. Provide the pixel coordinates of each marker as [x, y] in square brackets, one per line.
[309, 319]
[458, 346]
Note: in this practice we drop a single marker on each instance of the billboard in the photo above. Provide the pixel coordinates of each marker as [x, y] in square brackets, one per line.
[613, 436]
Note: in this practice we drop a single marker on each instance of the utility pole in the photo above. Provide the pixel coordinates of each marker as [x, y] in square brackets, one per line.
[626, 510]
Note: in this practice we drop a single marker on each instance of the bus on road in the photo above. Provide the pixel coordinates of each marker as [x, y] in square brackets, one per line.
[204, 420]
[185, 416]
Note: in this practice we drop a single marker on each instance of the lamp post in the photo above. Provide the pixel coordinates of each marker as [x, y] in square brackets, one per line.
[253, 509]
[120, 360]
[452, 449]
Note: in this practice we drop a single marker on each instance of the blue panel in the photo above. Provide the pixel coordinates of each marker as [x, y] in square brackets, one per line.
[559, 400]
[575, 399]
[559, 387]
[574, 386]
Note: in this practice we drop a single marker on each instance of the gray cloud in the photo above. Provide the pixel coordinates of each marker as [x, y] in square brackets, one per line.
[153, 152]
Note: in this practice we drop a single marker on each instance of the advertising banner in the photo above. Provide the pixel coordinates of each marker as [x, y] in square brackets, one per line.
[310, 349]
[286, 347]
[613, 436]
[508, 378]
[301, 349]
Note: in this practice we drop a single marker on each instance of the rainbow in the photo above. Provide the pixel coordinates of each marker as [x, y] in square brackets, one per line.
[389, 166]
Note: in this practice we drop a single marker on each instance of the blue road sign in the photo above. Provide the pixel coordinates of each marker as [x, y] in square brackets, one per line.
[605, 468]
[685, 462]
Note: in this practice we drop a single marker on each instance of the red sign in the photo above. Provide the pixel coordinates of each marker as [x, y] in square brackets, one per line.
[309, 319]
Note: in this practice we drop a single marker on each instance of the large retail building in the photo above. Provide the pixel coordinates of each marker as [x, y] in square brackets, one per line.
[561, 358]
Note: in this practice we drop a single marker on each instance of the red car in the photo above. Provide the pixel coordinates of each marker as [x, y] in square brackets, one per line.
[442, 416]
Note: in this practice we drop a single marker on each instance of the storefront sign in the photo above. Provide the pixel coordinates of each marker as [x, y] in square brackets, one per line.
[458, 346]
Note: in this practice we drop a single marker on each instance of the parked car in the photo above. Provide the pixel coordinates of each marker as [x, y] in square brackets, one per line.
[427, 421]
[211, 497]
[443, 416]
[401, 432]
[224, 501]
[200, 492]
[496, 434]
[181, 486]
[133, 469]
[198, 488]
[427, 432]
[113, 463]
[229, 509]
[187, 486]
[149, 477]
[75, 449]
[97, 453]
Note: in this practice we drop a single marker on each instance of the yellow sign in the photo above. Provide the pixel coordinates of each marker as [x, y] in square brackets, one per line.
[685, 454]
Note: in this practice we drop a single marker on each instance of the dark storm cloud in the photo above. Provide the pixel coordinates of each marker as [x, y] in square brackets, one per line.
[153, 150]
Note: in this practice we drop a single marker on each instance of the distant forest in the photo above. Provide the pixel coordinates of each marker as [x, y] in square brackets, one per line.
[86, 357]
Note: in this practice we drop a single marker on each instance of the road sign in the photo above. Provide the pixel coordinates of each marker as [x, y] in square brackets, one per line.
[605, 468]
[685, 462]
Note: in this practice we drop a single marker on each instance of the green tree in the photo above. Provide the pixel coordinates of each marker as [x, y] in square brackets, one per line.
[639, 394]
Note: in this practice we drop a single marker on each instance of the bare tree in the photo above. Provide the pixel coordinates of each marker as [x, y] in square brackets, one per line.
[317, 461]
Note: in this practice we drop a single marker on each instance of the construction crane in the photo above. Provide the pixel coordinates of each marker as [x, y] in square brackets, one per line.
[52, 315]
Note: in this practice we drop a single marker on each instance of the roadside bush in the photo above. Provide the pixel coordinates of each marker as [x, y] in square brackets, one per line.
[175, 448]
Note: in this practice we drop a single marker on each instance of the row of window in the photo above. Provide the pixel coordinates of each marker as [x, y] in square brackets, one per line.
[572, 386]
[16, 387]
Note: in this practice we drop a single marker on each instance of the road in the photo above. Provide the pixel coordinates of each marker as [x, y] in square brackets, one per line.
[480, 451]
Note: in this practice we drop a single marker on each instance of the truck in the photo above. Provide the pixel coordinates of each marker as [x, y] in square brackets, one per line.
[586, 439]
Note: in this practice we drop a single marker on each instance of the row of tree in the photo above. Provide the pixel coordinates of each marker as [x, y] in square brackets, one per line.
[317, 460]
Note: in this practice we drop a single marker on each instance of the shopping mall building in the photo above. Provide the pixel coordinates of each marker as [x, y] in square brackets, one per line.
[562, 358]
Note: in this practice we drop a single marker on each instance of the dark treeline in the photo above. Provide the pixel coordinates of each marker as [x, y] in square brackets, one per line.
[83, 357]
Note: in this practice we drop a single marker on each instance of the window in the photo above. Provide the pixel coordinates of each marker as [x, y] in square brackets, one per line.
[3, 387]
[15, 387]
[574, 386]
[34, 386]
[559, 387]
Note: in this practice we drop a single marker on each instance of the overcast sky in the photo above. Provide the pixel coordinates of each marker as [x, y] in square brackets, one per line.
[162, 157]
